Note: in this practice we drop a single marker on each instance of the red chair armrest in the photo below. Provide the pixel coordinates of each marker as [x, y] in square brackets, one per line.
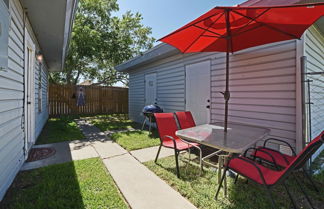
[170, 137]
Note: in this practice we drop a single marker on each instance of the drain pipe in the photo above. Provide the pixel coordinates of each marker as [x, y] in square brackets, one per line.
[303, 61]
[23, 118]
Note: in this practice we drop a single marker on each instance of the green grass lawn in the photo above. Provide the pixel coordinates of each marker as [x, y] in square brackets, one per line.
[81, 184]
[133, 140]
[114, 122]
[126, 136]
[200, 190]
[59, 130]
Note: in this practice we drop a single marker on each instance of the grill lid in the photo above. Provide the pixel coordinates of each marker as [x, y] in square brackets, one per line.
[152, 109]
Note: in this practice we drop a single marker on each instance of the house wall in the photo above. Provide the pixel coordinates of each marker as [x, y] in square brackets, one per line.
[12, 136]
[41, 115]
[11, 102]
[170, 83]
[314, 51]
[263, 88]
[262, 82]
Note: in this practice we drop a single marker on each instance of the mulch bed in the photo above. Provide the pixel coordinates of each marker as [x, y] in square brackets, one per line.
[40, 154]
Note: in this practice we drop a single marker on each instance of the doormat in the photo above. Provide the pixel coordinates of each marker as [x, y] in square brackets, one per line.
[40, 154]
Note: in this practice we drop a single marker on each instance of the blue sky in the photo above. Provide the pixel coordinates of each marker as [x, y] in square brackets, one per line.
[165, 16]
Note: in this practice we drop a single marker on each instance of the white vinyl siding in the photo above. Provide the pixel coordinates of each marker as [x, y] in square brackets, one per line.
[262, 85]
[170, 84]
[12, 136]
[314, 51]
[11, 103]
[41, 116]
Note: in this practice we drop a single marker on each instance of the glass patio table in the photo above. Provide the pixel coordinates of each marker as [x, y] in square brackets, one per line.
[236, 140]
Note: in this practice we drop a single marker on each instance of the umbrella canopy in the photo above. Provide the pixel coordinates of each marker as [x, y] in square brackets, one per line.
[230, 29]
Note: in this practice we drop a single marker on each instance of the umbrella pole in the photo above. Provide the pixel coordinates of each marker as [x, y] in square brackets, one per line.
[226, 93]
[229, 47]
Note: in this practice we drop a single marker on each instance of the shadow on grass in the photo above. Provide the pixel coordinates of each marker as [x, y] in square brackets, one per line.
[74, 185]
[200, 190]
[113, 122]
[59, 130]
[55, 186]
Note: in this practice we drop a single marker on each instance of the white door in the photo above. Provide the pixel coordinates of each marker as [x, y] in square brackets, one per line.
[150, 89]
[29, 91]
[198, 91]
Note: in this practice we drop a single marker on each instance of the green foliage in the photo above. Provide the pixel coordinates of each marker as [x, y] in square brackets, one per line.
[81, 184]
[101, 41]
[59, 130]
[134, 140]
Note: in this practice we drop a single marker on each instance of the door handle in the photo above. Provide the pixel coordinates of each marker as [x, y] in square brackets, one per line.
[29, 103]
[208, 106]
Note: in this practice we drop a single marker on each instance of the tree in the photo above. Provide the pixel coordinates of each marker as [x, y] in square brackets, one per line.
[101, 41]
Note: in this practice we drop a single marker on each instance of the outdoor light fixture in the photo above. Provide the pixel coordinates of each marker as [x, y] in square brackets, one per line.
[39, 57]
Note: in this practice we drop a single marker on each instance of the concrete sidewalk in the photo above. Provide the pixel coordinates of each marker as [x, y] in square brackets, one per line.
[149, 154]
[65, 152]
[141, 188]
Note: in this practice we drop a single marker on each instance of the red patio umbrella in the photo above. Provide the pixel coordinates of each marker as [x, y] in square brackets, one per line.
[230, 29]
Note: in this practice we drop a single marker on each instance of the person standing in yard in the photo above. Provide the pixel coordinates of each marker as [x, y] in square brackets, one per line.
[81, 97]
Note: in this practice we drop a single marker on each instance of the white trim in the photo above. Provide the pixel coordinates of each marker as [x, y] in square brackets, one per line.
[30, 122]
[71, 6]
[299, 112]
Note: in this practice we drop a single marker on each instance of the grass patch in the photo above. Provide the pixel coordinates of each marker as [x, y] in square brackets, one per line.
[81, 184]
[130, 139]
[317, 166]
[114, 123]
[200, 190]
[59, 130]
[133, 140]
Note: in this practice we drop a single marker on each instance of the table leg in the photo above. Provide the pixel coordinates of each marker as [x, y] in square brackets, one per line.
[225, 181]
[219, 170]
[222, 161]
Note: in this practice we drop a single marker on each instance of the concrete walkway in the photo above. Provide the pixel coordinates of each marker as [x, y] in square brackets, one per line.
[65, 152]
[149, 154]
[141, 188]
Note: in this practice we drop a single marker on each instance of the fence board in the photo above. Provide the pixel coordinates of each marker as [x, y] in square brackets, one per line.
[98, 100]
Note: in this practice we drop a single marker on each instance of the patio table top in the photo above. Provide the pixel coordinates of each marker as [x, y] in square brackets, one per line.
[237, 139]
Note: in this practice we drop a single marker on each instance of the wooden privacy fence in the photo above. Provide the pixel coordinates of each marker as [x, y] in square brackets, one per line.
[63, 100]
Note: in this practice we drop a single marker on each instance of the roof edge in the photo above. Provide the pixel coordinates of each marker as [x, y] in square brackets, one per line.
[160, 51]
[71, 8]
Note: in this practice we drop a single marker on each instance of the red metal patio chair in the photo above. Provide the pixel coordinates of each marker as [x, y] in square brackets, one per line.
[267, 177]
[185, 119]
[167, 127]
[282, 160]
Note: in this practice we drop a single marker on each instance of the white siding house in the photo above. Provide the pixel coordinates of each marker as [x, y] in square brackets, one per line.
[314, 52]
[25, 34]
[265, 83]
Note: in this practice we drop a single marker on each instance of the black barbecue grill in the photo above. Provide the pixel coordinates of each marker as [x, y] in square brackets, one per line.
[148, 112]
